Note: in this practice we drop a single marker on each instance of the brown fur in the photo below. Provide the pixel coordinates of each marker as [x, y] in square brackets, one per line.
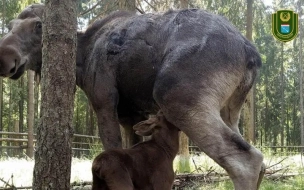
[145, 166]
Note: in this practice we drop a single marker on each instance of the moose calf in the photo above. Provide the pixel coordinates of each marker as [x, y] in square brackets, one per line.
[145, 166]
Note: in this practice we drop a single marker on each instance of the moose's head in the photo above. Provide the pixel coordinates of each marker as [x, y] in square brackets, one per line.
[20, 49]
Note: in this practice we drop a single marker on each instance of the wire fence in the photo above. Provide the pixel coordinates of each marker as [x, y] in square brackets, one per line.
[269, 150]
[14, 144]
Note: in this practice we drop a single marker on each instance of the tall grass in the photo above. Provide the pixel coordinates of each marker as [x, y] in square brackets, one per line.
[183, 164]
[95, 149]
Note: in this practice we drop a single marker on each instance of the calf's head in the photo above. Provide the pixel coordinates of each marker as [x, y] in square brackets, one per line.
[157, 126]
[20, 49]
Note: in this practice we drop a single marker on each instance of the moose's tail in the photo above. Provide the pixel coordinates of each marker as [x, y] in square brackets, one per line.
[253, 58]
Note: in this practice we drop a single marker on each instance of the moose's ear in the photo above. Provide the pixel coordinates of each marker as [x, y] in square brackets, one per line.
[145, 128]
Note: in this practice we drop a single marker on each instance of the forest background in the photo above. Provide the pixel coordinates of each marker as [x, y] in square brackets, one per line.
[277, 113]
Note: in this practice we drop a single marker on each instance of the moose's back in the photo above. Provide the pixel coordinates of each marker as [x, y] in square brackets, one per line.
[139, 47]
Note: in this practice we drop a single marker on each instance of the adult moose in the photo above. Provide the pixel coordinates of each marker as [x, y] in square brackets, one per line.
[193, 65]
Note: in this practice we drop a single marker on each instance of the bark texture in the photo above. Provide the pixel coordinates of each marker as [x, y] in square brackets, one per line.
[30, 114]
[249, 124]
[54, 134]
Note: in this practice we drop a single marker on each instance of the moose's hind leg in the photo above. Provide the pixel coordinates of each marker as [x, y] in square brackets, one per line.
[241, 160]
[226, 147]
[196, 111]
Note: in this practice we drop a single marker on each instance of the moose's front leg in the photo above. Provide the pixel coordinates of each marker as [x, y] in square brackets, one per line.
[108, 127]
[104, 101]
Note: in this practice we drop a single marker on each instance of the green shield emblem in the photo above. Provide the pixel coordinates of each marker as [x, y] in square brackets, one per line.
[285, 25]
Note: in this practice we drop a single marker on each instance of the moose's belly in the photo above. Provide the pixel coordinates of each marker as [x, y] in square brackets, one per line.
[136, 101]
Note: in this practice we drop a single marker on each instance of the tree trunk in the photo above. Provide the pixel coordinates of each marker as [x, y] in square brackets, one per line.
[21, 108]
[16, 130]
[184, 4]
[184, 164]
[1, 80]
[9, 127]
[30, 114]
[87, 122]
[301, 78]
[282, 120]
[21, 103]
[91, 120]
[52, 168]
[184, 157]
[1, 110]
[287, 128]
[249, 127]
[128, 5]
[37, 104]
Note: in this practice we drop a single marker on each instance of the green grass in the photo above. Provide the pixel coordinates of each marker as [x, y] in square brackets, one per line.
[296, 183]
[282, 164]
[183, 164]
[195, 164]
[95, 149]
[194, 185]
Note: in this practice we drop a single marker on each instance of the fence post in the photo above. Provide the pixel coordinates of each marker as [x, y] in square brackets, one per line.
[184, 164]
[16, 130]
